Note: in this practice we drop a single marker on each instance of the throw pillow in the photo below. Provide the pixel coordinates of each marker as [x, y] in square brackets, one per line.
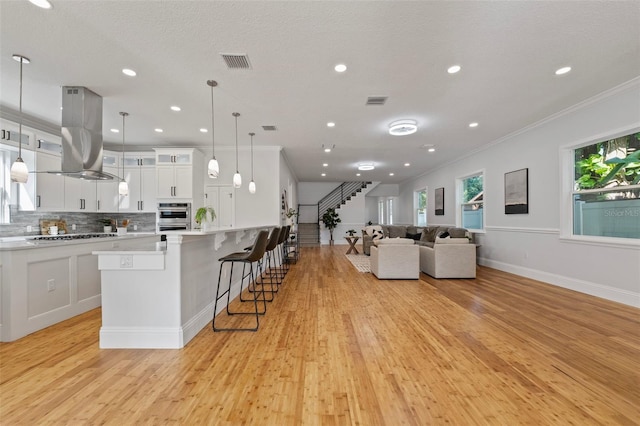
[415, 237]
[369, 229]
[377, 234]
[429, 234]
[445, 234]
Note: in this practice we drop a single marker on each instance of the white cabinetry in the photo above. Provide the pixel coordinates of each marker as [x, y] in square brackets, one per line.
[107, 191]
[140, 174]
[178, 173]
[49, 186]
[222, 199]
[80, 195]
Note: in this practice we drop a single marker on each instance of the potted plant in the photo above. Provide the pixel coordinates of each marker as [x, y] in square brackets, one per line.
[107, 225]
[291, 215]
[331, 220]
[205, 216]
[351, 232]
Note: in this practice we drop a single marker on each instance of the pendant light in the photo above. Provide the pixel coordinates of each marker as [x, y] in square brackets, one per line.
[123, 187]
[237, 179]
[19, 170]
[213, 168]
[252, 184]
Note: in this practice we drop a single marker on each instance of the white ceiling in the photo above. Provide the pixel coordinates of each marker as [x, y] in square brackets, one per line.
[508, 52]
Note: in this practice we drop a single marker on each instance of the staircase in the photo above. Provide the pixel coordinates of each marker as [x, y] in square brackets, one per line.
[309, 233]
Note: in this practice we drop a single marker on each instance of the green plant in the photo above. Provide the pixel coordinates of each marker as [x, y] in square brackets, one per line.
[291, 213]
[596, 172]
[351, 232]
[107, 222]
[331, 219]
[201, 214]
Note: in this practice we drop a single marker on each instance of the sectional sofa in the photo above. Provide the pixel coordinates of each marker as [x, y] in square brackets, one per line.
[423, 236]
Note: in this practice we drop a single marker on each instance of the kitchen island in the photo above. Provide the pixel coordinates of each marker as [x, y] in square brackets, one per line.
[45, 282]
[162, 295]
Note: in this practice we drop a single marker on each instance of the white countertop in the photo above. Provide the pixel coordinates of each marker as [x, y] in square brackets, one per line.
[28, 242]
[159, 247]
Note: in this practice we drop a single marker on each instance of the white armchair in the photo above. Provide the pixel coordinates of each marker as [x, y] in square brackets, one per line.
[395, 258]
[449, 258]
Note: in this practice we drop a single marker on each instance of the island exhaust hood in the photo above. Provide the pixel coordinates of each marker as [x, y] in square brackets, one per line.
[82, 135]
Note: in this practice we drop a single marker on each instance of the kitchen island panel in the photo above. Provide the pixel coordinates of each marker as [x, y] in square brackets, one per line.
[87, 278]
[48, 286]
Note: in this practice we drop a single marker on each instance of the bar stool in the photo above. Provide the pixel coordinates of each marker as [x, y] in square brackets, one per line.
[281, 269]
[268, 267]
[247, 259]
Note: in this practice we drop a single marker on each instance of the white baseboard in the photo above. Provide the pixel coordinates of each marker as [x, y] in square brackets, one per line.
[140, 338]
[606, 292]
[197, 323]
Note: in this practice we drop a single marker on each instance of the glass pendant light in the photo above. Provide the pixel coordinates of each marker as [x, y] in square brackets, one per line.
[237, 179]
[123, 187]
[213, 167]
[19, 170]
[252, 184]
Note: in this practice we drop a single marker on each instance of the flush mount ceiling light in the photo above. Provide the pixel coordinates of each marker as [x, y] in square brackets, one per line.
[403, 127]
[563, 70]
[129, 72]
[366, 166]
[453, 69]
[19, 171]
[41, 3]
[213, 169]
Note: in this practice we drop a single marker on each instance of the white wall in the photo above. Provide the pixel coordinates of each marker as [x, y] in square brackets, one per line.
[530, 244]
[263, 207]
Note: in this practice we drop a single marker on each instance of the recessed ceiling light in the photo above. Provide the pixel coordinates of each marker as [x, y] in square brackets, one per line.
[340, 68]
[474, 124]
[331, 124]
[115, 130]
[203, 130]
[323, 174]
[407, 164]
[325, 165]
[365, 166]
[403, 127]
[158, 130]
[453, 69]
[41, 3]
[563, 70]
[175, 108]
[129, 72]
[327, 150]
[357, 174]
[390, 174]
[431, 150]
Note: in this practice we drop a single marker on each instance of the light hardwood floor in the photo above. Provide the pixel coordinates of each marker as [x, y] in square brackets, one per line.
[341, 347]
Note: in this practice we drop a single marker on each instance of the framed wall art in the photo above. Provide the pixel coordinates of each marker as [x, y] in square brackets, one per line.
[439, 204]
[516, 192]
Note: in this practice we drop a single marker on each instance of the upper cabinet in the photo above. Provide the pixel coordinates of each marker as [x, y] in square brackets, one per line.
[179, 174]
[140, 174]
[49, 186]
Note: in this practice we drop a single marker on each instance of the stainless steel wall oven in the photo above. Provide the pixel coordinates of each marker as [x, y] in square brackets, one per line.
[174, 216]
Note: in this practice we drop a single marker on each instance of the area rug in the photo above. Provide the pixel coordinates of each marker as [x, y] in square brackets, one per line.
[360, 261]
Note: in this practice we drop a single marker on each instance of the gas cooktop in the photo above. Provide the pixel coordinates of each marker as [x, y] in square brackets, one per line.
[73, 236]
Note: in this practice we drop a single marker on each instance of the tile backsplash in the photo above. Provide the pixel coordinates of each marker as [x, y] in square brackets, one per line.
[85, 222]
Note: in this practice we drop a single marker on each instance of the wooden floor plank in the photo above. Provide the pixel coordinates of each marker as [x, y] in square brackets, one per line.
[342, 347]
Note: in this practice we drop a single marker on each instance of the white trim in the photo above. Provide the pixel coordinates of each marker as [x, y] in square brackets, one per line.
[610, 189]
[626, 243]
[523, 230]
[605, 292]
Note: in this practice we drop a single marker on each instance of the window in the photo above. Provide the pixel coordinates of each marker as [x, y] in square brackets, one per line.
[381, 212]
[390, 211]
[471, 204]
[420, 207]
[606, 188]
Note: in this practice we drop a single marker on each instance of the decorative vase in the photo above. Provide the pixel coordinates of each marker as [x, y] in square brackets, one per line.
[107, 229]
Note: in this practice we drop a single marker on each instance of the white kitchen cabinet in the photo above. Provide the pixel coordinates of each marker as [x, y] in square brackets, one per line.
[10, 134]
[140, 174]
[179, 174]
[222, 199]
[80, 195]
[107, 192]
[49, 186]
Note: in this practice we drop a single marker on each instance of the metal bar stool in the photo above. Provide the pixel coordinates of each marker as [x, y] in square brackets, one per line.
[281, 270]
[247, 259]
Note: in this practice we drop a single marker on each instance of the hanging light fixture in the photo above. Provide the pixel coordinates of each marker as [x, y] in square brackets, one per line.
[123, 187]
[237, 179]
[213, 168]
[19, 170]
[252, 184]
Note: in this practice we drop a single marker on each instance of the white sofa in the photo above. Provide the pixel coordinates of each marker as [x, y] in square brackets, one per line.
[395, 258]
[449, 258]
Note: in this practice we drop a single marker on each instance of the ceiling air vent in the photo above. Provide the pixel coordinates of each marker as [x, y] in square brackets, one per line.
[236, 61]
[269, 128]
[376, 100]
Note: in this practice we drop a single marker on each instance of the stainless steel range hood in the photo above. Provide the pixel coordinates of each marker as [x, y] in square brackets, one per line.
[82, 134]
